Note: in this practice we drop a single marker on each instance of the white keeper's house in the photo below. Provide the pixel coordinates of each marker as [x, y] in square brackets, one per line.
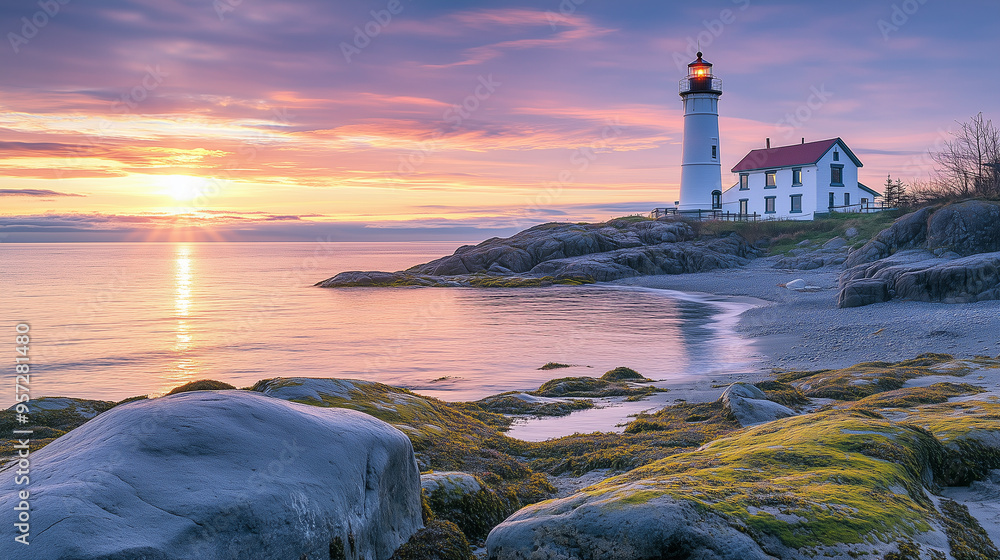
[797, 182]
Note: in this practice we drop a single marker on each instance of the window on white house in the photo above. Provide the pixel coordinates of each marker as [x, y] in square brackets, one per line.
[770, 179]
[796, 204]
[744, 205]
[715, 152]
[836, 156]
[716, 200]
[744, 181]
[796, 176]
[769, 204]
[832, 201]
[847, 199]
[837, 175]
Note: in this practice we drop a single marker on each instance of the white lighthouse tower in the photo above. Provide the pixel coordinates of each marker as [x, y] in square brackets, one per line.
[701, 167]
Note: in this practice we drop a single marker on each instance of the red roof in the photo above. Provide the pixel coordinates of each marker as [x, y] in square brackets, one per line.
[787, 156]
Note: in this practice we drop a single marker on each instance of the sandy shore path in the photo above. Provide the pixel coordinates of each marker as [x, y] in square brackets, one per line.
[807, 331]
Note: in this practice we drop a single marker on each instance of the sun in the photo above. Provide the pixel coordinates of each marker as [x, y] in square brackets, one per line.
[183, 188]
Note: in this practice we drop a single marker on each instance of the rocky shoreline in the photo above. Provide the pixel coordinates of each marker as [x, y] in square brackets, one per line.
[854, 461]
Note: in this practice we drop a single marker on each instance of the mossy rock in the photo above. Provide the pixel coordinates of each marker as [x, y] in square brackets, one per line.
[590, 387]
[783, 393]
[554, 365]
[865, 379]
[446, 436]
[915, 396]
[622, 373]
[798, 486]
[438, 540]
[202, 385]
[514, 403]
[467, 501]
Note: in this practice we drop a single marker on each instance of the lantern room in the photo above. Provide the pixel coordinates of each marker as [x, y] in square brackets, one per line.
[700, 78]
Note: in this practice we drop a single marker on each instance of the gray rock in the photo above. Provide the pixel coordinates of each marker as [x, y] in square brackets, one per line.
[600, 253]
[864, 291]
[851, 232]
[219, 475]
[797, 284]
[964, 280]
[966, 228]
[598, 527]
[907, 232]
[835, 244]
[751, 406]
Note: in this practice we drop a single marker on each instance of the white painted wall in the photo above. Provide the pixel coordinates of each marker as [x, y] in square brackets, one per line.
[815, 189]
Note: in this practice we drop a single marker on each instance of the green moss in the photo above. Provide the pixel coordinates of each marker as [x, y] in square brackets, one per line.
[847, 476]
[475, 513]
[650, 437]
[906, 550]
[622, 373]
[590, 387]
[782, 393]
[967, 539]
[914, 396]
[554, 365]
[506, 403]
[862, 380]
[201, 385]
[438, 540]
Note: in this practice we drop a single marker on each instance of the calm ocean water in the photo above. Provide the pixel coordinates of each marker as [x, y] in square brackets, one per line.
[113, 320]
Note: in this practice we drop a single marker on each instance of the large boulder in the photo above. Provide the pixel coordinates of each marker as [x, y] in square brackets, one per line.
[965, 280]
[907, 232]
[751, 406]
[965, 228]
[865, 291]
[835, 484]
[211, 475]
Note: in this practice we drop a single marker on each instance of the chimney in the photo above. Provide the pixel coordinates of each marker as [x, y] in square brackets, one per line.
[768, 143]
[803, 139]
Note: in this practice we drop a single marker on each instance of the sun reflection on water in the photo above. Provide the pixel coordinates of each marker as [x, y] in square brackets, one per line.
[185, 367]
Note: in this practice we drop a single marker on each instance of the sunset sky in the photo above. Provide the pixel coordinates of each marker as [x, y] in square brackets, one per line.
[307, 119]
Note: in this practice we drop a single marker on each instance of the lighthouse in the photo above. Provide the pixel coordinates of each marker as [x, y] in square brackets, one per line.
[701, 168]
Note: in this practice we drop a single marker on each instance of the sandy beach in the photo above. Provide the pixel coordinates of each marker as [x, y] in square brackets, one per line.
[806, 330]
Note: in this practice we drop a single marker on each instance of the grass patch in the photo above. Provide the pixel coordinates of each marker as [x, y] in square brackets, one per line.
[622, 373]
[784, 235]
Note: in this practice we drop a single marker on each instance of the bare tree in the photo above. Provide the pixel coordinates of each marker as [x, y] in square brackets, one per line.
[969, 164]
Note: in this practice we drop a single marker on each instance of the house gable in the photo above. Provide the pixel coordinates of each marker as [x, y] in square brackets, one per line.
[796, 155]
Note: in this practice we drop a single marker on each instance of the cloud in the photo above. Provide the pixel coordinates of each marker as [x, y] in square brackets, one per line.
[35, 192]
